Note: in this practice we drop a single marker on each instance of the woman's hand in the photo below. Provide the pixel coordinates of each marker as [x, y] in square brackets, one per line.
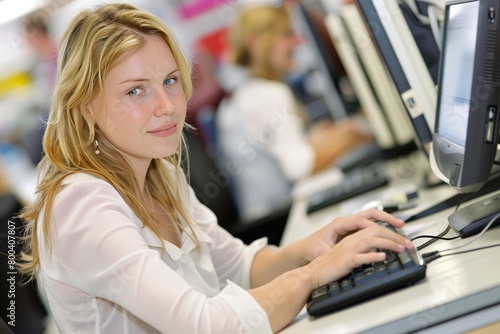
[332, 140]
[346, 243]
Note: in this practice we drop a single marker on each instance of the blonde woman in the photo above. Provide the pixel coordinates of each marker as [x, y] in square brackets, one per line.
[117, 240]
[261, 127]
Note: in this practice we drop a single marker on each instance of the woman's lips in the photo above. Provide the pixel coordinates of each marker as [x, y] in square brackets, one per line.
[164, 130]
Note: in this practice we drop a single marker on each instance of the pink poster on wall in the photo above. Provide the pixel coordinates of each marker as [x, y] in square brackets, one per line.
[194, 8]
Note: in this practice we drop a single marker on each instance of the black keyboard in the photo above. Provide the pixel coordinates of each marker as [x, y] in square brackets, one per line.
[355, 182]
[369, 281]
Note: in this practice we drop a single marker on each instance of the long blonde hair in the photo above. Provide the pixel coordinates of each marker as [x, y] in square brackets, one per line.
[261, 25]
[93, 42]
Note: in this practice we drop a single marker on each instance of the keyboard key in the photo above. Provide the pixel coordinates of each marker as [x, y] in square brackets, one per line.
[346, 285]
[374, 272]
[334, 288]
[320, 292]
[394, 267]
[406, 259]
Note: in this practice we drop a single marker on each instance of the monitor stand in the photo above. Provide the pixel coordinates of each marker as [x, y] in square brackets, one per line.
[473, 218]
[457, 199]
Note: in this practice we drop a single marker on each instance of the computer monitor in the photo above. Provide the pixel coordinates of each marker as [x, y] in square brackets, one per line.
[465, 149]
[378, 98]
[379, 16]
[465, 140]
[312, 13]
[408, 59]
[403, 60]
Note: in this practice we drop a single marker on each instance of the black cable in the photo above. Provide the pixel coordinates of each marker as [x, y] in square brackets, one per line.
[431, 256]
[440, 236]
[437, 237]
[434, 238]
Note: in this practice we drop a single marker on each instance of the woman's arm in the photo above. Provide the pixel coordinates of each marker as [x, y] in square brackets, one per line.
[331, 140]
[284, 277]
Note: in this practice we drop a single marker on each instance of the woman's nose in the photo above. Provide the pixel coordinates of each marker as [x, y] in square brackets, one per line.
[164, 104]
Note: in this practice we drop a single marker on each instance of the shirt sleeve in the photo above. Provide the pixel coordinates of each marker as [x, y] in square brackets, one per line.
[277, 119]
[98, 241]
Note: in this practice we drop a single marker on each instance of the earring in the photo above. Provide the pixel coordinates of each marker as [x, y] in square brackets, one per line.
[96, 147]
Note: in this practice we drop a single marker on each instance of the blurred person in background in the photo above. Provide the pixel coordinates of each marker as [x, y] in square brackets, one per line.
[261, 126]
[43, 70]
[36, 32]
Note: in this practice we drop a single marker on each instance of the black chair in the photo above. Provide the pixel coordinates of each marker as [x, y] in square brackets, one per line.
[213, 188]
[4, 328]
[30, 313]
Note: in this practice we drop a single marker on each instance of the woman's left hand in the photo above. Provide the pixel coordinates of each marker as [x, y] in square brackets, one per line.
[325, 238]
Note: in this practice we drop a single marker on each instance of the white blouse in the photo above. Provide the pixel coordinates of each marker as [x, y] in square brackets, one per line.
[263, 145]
[106, 273]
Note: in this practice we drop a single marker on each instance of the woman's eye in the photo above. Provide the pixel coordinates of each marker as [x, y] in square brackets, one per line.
[169, 81]
[134, 92]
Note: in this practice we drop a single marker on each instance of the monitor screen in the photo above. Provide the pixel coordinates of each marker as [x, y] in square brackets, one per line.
[465, 139]
[458, 68]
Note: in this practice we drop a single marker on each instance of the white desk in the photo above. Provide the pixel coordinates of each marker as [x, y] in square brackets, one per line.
[454, 286]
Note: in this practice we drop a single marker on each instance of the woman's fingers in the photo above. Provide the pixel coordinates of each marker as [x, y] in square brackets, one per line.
[363, 220]
[379, 215]
[365, 246]
[327, 237]
[376, 237]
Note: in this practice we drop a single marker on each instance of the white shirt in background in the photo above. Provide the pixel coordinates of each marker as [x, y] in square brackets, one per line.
[263, 145]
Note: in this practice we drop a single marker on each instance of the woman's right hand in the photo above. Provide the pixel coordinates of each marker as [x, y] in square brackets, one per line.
[352, 251]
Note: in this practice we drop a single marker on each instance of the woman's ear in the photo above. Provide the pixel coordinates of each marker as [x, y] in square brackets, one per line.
[250, 43]
[90, 112]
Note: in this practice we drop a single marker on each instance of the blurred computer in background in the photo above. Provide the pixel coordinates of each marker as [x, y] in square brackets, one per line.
[376, 91]
[337, 95]
[410, 59]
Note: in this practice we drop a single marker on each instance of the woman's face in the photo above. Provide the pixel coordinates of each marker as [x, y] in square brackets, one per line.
[144, 107]
[282, 58]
